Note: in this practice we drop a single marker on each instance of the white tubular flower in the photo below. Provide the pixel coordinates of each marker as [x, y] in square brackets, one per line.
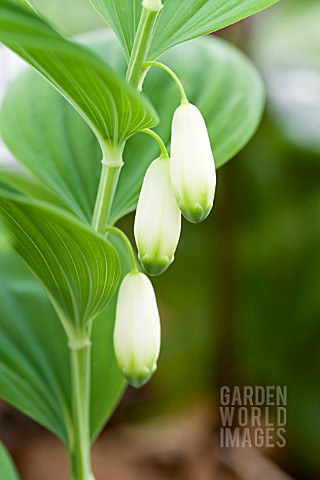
[137, 329]
[157, 224]
[193, 172]
[152, 5]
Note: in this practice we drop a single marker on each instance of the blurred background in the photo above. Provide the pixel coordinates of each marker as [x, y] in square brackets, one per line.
[241, 304]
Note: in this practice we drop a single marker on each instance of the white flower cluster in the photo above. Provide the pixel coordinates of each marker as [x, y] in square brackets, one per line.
[183, 183]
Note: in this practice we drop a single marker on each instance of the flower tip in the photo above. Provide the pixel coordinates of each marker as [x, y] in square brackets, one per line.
[139, 378]
[196, 213]
[155, 266]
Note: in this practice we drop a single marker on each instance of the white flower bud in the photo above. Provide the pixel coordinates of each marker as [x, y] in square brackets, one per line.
[157, 224]
[193, 172]
[137, 329]
[152, 5]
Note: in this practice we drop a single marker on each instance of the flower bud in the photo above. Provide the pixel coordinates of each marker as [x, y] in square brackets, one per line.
[137, 329]
[157, 224]
[193, 172]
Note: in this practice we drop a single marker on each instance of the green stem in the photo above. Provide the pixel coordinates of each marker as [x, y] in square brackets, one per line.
[164, 153]
[127, 242]
[141, 45]
[81, 354]
[184, 98]
[80, 454]
[111, 168]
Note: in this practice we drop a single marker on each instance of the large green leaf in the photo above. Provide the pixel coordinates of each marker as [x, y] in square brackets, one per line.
[77, 267]
[34, 358]
[178, 21]
[7, 469]
[230, 95]
[65, 156]
[112, 108]
[18, 182]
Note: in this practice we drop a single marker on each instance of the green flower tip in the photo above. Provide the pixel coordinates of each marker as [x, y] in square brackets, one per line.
[196, 213]
[138, 379]
[155, 266]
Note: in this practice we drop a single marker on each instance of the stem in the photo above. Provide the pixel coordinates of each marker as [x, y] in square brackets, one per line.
[184, 98]
[141, 45]
[111, 168]
[164, 153]
[81, 353]
[81, 375]
[127, 242]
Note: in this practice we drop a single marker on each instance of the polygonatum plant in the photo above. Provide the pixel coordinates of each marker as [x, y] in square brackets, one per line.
[92, 124]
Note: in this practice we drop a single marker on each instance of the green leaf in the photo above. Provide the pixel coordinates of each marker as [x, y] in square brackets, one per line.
[112, 109]
[200, 18]
[77, 267]
[7, 469]
[18, 182]
[65, 156]
[230, 95]
[178, 22]
[123, 17]
[33, 346]
[5, 239]
[34, 356]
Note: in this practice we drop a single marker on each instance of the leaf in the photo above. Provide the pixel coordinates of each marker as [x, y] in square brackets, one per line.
[123, 17]
[112, 109]
[33, 345]
[5, 239]
[200, 18]
[65, 156]
[20, 183]
[77, 267]
[34, 357]
[230, 95]
[7, 469]
[178, 22]
[26, 4]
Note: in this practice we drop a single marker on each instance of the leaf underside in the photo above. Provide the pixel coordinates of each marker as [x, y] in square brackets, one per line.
[34, 356]
[78, 269]
[112, 108]
[178, 21]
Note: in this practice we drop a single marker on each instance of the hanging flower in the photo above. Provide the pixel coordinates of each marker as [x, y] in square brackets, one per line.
[193, 172]
[158, 219]
[137, 329]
